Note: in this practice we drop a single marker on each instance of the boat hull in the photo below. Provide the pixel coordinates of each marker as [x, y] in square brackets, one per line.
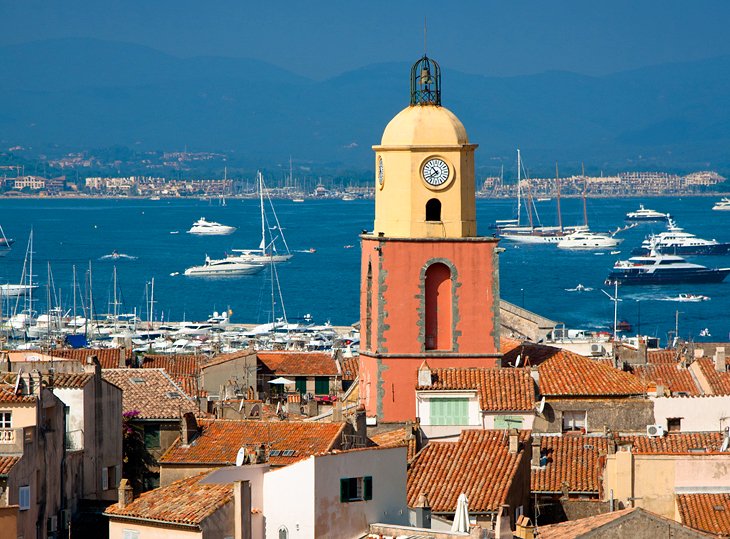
[687, 250]
[629, 276]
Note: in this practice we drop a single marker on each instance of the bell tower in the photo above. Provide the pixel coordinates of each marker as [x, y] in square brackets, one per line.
[429, 286]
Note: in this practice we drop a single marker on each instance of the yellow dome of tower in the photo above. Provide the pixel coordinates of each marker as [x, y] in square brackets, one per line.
[425, 125]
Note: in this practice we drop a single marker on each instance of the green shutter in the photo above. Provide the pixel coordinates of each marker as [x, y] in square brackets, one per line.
[503, 422]
[368, 487]
[344, 490]
[450, 411]
[301, 384]
[321, 385]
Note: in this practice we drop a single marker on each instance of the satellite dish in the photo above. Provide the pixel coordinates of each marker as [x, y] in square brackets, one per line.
[17, 381]
[540, 406]
[725, 444]
[240, 406]
[518, 360]
[240, 456]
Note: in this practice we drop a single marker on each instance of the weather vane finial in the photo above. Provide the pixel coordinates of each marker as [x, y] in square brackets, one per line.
[425, 28]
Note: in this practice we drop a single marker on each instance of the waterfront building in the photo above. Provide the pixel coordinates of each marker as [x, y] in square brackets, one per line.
[429, 286]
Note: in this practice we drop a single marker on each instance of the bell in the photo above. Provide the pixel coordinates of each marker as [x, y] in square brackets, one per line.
[426, 76]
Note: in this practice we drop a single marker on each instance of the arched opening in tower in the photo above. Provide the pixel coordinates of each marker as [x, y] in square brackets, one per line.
[437, 310]
[433, 210]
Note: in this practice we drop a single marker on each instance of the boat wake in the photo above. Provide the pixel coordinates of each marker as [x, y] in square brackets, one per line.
[117, 256]
[579, 288]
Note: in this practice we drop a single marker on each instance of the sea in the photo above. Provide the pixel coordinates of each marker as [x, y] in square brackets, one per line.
[322, 279]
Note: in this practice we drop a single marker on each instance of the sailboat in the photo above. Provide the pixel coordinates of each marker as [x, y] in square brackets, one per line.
[536, 234]
[5, 243]
[266, 253]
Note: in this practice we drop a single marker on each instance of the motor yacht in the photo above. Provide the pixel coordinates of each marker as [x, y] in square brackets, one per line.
[723, 205]
[646, 215]
[201, 227]
[226, 266]
[657, 268]
[678, 242]
[588, 240]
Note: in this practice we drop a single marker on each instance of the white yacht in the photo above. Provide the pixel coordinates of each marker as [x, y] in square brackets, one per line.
[645, 214]
[15, 290]
[588, 240]
[226, 266]
[678, 242]
[202, 227]
[723, 205]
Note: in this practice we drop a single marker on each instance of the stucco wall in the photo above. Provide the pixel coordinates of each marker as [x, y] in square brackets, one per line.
[699, 414]
[619, 415]
[117, 528]
[9, 522]
[241, 370]
[287, 506]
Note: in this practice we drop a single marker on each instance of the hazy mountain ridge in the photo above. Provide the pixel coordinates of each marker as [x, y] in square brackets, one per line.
[89, 93]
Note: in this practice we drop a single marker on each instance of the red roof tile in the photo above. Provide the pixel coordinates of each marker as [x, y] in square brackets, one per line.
[108, 357]
[569, 374]
[299, 363]
[71, 380]
[350, 368]
[478, 464]
[499, 389]
[685, 442]
[719, 381]
[672, 376]
[574, 529]
[662, 356]
[225, 358]
[706, 512]
[396, 437]
[151, 392]
[219, 441]
[531, 354]
[7, 463]
[175, 365]
[8, 395]
[187, 501]
[572, 460]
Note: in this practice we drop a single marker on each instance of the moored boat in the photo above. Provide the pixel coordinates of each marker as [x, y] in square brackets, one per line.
[658, 269]
[723, 205]
[201, 227]
[226, 266]
[646, 215]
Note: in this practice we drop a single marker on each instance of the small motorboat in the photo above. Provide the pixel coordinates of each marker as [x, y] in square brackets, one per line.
[691, 297]
[579, 288]
[226, 266]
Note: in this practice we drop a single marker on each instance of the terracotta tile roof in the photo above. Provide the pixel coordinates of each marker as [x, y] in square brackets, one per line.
[662, 356]
[531, 354]
[152, 392]
[706, 512]
[569, 374]
[220, 439]
[478, 464]
[574, 529]
[298, 363]
[108, 357]
[71, 380]
[499, 389]
[719, 381]
[7, 394]
[175, 365]
[396, 437]
[572, 460]
[350, 368]
[685, 442]
[183, 502]
[672, 376]
[7, 463]
[224, 358]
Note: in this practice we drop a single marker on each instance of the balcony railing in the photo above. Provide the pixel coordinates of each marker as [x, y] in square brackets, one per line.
[7, 436]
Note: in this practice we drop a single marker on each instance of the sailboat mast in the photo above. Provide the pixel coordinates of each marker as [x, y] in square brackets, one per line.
[73, 269]
[91, 297]
[557, 186]
[30, 277]
[48, 301]
[519, 188]
[116, 303]
[585, 190]
[261, 202]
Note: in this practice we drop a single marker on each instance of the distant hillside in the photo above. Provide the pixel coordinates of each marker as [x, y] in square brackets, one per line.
[86, 93]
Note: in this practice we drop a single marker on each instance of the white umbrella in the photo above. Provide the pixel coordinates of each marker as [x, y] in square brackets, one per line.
[461, 516]
[281, 381]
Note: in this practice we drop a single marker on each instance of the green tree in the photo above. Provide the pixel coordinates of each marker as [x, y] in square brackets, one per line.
[136, 458]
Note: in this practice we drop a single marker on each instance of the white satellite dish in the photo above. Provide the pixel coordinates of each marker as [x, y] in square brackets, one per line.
[240, 456]
[518, 360]
[240, 406]
[725, 444]
[540, 406]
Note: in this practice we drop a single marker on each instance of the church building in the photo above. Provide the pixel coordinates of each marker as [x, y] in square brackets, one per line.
[429, 284]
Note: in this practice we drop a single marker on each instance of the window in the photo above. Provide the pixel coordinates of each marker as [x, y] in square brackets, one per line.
[450, 411]
[321, 385]
[300, 384]
[355, 489]
[24, 498]
[674, 424]
[109, 477]
[433, 210]
[437, 310]
[6, 420]
[130, 534]
[574, 420]
[506, 422]
[152, 436]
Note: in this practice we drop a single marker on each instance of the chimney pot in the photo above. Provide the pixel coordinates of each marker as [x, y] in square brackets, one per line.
[514, 441]
[125, 493]
[720, 364]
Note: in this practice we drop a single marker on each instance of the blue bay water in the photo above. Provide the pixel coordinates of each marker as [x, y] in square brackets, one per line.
[326, 283]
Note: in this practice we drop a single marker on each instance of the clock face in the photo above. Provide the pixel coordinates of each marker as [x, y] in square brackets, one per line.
[435, 172]
[381, 172]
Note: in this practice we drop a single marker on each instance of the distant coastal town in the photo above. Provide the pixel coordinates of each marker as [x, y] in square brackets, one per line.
[624, 184]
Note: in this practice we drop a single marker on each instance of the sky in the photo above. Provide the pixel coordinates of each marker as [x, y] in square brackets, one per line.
[321, 39]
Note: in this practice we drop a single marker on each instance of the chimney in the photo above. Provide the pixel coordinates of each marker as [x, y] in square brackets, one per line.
[337, 412]
[525, 529]
[188, 428]
[503, 530]
[261, 454]
[535, 463]
[93, 366]
[659, 390]
[422, 512]
[361, 428]
[514, 441]
[242, 509]
[122, 357]
[643, 354]
[125, 493]
[720, 365]
[424, 375]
